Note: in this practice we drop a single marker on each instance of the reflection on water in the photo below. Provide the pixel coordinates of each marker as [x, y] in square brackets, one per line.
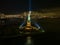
[29, 41]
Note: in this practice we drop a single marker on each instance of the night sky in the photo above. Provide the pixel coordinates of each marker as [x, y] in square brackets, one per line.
[17, 6]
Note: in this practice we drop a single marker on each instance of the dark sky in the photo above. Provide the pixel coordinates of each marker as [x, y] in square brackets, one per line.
[16, 6]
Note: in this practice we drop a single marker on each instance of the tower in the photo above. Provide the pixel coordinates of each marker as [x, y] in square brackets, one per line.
[27, 26]
[28, 19]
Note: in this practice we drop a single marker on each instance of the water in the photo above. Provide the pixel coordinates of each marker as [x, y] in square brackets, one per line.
[29, 41]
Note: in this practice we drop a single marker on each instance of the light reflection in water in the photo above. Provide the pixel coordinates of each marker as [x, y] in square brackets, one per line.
[29, 41]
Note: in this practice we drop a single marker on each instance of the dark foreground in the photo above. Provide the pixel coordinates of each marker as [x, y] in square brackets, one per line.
[51, 26]
[45, 38]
